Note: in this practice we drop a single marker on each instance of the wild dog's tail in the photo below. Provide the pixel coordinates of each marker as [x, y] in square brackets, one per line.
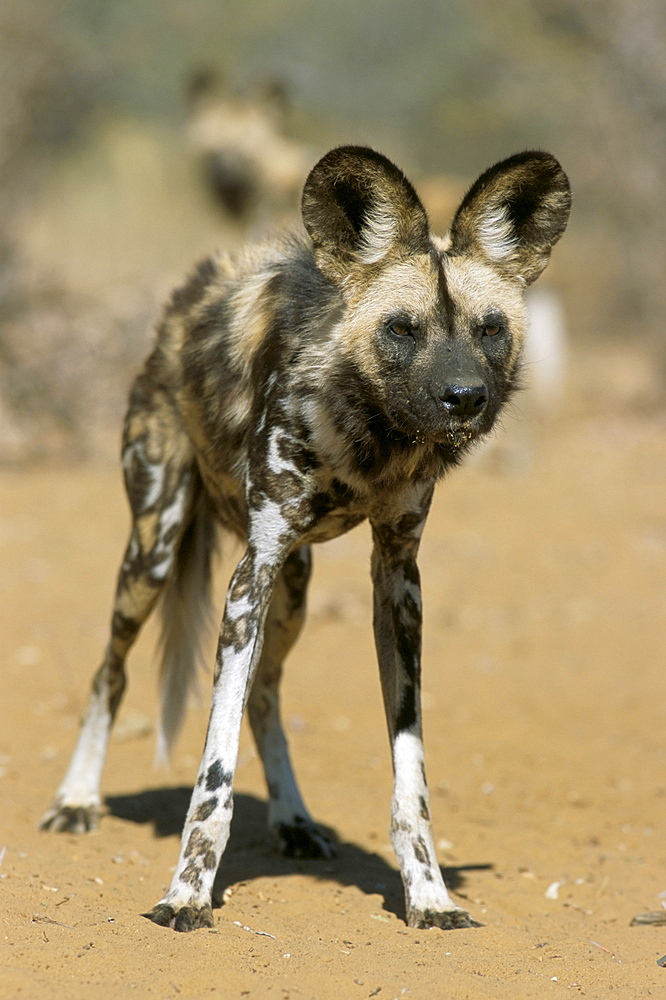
[186, 621]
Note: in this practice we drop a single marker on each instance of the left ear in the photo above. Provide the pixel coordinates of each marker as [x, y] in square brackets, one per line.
[513, 215]
[358, 209]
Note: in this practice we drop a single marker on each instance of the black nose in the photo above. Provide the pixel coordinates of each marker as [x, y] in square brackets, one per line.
[464, 399]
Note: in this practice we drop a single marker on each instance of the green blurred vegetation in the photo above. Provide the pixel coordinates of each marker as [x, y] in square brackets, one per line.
[91, 92]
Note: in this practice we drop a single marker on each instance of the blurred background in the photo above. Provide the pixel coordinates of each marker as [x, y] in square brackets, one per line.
[136, 137]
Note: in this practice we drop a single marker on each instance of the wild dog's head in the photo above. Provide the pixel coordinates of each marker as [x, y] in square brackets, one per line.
[433, 327]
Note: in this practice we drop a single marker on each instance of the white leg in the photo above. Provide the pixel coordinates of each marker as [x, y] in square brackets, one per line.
[397, 624]
[187, 903]
[288, 818]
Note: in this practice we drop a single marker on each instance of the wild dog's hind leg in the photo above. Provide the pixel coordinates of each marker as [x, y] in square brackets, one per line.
[158, 476]
[397, 624]
[288, 818]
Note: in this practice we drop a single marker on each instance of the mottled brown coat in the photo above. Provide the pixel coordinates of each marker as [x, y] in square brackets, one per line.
[294, 391]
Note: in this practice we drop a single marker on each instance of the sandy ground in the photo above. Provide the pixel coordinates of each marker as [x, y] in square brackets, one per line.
[544, 707]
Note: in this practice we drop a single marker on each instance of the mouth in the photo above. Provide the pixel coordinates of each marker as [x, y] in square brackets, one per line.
[458, 434]
[455, 434]
[433, 425]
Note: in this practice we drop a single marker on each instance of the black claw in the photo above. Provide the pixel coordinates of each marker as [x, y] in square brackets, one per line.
[187, 918]
[446, 920]
[460, 918]
[190, 918]
[160, 914]
[303, 840]
[71, 819]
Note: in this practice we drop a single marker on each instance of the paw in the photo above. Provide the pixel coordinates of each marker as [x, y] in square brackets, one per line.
[184, 918]
[71, 819]
[303, 839]
[447, 920]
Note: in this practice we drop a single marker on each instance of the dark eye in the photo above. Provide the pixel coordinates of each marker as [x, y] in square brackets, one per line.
[401, 329]
[492, 329]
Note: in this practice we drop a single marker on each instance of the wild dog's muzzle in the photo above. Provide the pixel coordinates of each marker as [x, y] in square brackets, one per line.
[461, 407]
[464, 398]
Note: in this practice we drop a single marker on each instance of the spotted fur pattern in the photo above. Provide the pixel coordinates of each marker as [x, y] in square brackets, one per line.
[292, 393]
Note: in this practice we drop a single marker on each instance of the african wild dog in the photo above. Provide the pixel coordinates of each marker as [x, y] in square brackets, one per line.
[291, 394]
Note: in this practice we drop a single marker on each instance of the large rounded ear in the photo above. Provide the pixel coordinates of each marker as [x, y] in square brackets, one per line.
[513, 215]
[358, 209]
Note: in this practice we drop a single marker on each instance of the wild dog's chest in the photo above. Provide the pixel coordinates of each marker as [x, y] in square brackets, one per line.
[281, 480]
[317, 508]
[327, 512]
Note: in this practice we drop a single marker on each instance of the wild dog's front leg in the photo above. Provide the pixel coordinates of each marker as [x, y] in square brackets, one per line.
[397, 624]
[187, 904]
[296, 832]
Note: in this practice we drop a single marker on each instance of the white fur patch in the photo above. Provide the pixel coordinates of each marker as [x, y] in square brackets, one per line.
[81, 785]
[266, 526]
[163, 551]
[154, 471]
[379, 234]
[275, 460]
[496, 234]
[410, 829]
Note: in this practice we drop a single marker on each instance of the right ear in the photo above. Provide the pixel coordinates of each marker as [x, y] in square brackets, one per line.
[513, 215]
[358, 208]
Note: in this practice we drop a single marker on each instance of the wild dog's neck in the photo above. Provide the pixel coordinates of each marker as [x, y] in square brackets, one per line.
[350, 431]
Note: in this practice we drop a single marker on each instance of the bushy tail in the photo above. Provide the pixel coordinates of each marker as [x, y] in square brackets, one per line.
[186, 622]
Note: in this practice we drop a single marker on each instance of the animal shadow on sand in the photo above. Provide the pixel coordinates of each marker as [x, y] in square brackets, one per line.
[251, 853]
